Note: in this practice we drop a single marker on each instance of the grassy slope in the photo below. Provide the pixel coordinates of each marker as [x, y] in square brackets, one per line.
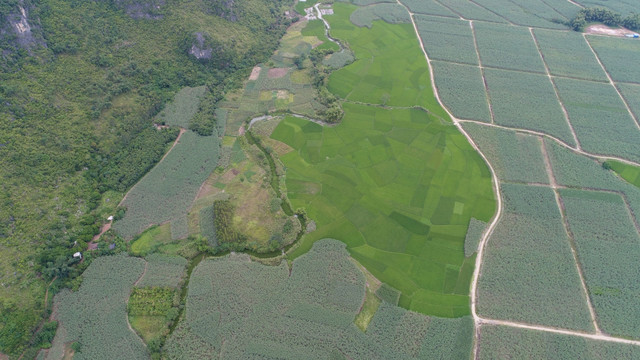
[397, 185]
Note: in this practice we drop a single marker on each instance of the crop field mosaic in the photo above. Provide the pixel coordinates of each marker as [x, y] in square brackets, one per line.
[399, 186]
[96, 315]
[305, 313]
[168, 190]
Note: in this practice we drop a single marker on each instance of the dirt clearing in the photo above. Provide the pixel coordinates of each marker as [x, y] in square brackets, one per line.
[277, 73]
[255, 73]
[600, 29]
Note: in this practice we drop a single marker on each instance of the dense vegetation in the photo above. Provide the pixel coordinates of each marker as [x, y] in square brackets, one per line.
[605, 16]
[77, 114]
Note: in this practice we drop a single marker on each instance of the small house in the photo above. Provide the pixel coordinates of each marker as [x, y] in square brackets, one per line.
[77, 255]
[110, 218]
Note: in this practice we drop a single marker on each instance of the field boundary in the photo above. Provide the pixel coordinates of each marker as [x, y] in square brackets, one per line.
[567, 229]
[484, 79]
[615, 87]
[560, 142]
[478, 321]
[555, 90]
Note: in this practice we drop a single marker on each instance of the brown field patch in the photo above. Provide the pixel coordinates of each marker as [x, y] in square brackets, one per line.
[255, 73]
[601, 29]
[277, 73]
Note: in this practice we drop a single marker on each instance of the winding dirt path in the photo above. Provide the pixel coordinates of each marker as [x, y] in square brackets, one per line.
[478, 320]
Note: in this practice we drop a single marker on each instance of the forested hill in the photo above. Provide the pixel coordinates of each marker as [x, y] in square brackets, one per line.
[80, 84]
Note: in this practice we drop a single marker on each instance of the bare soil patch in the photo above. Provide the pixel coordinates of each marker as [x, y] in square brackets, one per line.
[255, 73]
[601, 29]
[277, 73]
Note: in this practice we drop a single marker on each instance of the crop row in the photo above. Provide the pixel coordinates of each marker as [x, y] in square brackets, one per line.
[96, 315]
[515, 157]
[502, 342]
[608, 247]
[460, 87]
[168, 190]
[447, 39]
[529, 274]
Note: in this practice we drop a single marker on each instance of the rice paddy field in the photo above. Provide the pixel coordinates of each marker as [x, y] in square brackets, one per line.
[397, 185]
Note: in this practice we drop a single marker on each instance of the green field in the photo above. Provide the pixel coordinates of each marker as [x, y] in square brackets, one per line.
[447, 39]
[600, 119]
[608, 247]
[379, 76]
[502, 342]
[168, 190]
[95, 316]
[515, 157]
[528, 273]
[459, 87]
[628, 172]
[399, 186]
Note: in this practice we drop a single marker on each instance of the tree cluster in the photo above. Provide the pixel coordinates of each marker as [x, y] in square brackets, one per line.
[320, 74]
[605, 16]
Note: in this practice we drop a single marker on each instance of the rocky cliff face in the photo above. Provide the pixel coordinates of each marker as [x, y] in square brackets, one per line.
[19, 30]
[199, 49]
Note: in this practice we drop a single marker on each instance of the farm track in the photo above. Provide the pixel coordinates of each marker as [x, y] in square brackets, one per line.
[615, 87]
[560, 142]
[567, 229]
[478, 320]
[555, 90]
